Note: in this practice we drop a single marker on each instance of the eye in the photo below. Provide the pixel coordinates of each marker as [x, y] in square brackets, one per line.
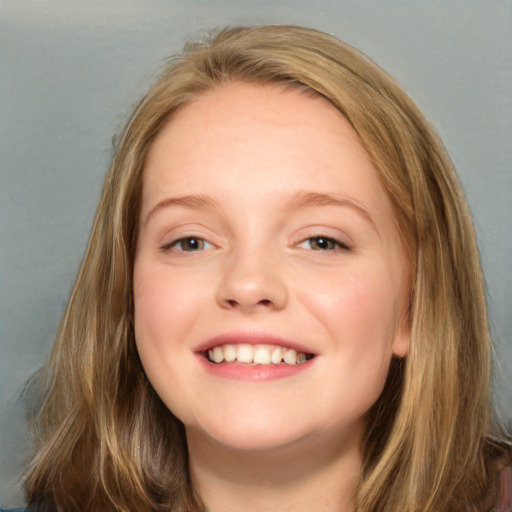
[322, 243]
[188, 244]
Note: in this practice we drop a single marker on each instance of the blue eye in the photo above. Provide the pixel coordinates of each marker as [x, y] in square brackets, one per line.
[322, 243]
[188, 244]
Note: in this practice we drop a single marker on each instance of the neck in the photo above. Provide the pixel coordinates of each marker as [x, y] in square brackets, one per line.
[320, 475]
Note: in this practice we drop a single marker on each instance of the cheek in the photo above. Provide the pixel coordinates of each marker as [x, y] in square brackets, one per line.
[353, 312]
[359, 303]
[165, 310]
[359, 311]
[162, 295]
[164, 306]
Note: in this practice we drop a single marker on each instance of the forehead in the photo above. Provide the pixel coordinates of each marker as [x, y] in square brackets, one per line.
[258, 135]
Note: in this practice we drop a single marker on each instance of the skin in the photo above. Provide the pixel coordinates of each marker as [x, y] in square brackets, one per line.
[262, 156]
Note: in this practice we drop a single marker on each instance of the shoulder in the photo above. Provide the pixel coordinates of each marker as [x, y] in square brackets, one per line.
[31, 508]
[505, 490]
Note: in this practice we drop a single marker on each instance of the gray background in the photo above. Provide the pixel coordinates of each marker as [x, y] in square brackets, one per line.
[71, 70]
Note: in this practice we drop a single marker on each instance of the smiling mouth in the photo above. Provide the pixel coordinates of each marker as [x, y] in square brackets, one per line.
[255, 354]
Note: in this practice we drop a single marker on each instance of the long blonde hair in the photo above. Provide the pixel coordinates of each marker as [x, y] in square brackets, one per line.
[106, 441]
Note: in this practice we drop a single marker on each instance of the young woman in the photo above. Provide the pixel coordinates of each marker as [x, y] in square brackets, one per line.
[281, 306]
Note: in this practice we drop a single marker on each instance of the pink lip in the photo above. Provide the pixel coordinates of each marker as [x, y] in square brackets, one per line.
[251, 372]
[251, 338]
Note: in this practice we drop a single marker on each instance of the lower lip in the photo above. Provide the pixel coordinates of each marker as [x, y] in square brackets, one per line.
[253, 372]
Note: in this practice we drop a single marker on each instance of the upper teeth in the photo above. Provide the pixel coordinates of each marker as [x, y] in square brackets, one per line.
[256, 354]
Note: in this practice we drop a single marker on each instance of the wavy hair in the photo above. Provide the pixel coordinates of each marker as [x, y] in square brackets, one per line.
[106, 441]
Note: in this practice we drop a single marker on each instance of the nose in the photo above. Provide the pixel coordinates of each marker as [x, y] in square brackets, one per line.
[252, 282]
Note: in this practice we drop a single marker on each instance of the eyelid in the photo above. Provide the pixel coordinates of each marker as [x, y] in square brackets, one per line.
[175, 241]
[339, 245]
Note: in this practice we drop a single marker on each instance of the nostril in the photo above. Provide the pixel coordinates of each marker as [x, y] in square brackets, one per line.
[233, 303]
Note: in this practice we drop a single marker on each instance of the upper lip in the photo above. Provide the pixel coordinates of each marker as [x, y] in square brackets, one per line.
[251, 338]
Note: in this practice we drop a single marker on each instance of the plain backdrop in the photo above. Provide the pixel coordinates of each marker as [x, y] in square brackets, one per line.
[71, 70]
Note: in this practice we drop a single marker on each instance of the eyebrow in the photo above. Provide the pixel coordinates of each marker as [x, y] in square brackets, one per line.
[304, 199]
[197, 202]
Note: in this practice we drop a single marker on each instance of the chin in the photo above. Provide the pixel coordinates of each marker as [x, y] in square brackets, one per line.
[247, 433]
[256, 442]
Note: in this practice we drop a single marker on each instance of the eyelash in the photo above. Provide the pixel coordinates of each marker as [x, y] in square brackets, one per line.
[186, 239]
[332, 244]
[335, 244]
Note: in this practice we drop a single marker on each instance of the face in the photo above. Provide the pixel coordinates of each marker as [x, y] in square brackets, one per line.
[269, 278]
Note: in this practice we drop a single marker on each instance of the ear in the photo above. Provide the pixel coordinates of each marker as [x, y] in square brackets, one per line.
[402, 338]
